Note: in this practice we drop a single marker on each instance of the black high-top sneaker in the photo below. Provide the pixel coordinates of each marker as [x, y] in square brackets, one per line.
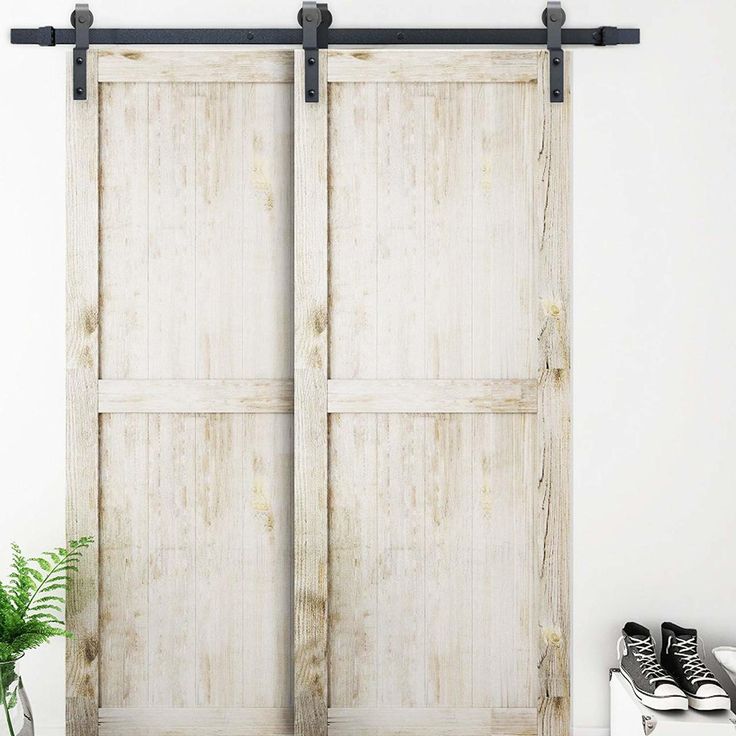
[681, 659]
[639, 666]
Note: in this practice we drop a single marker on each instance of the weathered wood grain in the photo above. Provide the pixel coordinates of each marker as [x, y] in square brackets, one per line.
[310, 406]
[554, 473]
[124, 680]
[82, 372]
[427, 65]
[171, 238]
[432, 722]
[196, 721]
[427, 397]
[401, 656]
[196, 65]
[253, 396]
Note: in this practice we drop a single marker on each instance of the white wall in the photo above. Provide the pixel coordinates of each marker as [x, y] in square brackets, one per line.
[654, 308]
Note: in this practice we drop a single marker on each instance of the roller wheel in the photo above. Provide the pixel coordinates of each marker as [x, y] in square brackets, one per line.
[326, 18]
[544, 17]
[74, 19]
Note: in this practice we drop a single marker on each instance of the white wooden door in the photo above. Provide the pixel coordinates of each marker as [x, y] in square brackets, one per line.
[185, 628]
[432, 380]
[318, 371]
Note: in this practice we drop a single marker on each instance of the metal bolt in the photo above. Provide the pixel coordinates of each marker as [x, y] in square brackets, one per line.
[308, 18]
[557, 61]
[80, 90]
[250, 35]
[82, 18]
[557, 93]
[79, 60]
[400, 36]
[553, 18]
[311, 61]
[312, 93]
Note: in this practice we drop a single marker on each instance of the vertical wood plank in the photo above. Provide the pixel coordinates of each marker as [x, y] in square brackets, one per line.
[310, 405]
[504, 130]
[172, 344]
[268, 353]
[353, 563]
[400, 215]
[219, 439]
[124, 162]
[448, 196]
[82, 373]
[268, 231]
[505, 120]
[401, 657]
[553, 497]
[352, 354]
[268, 540]
[504, 583]
[124, 680]
[219, 231]
[171, 230]
[353, 230]
[172, 594]
[401, 352]
[448, 439]
[124, 340]
[219, 556]
[448, 560]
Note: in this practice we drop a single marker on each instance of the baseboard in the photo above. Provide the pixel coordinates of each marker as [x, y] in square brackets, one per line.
[48, 729]
[590, 731]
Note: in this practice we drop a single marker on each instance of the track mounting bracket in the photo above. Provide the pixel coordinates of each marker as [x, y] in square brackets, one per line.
[315, 19]
[554, 18]
[81, 19]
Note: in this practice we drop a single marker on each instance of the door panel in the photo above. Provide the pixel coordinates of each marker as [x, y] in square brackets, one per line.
[443, 267]
[195, 300]
[318, 390]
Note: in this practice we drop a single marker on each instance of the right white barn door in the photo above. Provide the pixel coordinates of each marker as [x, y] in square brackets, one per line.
[432, 396]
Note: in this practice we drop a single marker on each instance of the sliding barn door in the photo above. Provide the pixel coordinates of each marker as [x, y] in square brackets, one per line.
[318, 395]
[183, 164]
[431, 434]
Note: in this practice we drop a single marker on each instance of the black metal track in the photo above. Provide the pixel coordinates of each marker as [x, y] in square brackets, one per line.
[605, 36]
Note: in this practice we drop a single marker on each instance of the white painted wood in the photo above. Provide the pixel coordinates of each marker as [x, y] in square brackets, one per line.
[554, 453]
[123, 536]
[400, 589]
[438, 198]
[427, 65]
[82, 370]
[435, 331]
[171, 236]
[196, 721]
[433, 721]
[438, 396]
[503, 576]
[203, 64]
[310, 406]
[172, 549]
[123, 541]
[354, 561]
[196, 385]
[255, 396]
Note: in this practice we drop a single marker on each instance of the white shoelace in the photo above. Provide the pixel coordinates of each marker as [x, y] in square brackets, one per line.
[687, 651]
[646, 656]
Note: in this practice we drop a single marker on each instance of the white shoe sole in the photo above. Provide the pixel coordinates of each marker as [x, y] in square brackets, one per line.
[716, 702]
[670, 702]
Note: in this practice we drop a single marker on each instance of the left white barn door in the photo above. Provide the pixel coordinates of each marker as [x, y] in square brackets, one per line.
[180, 343]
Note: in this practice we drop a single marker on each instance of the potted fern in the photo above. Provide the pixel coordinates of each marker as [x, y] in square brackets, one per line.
[31, 605]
